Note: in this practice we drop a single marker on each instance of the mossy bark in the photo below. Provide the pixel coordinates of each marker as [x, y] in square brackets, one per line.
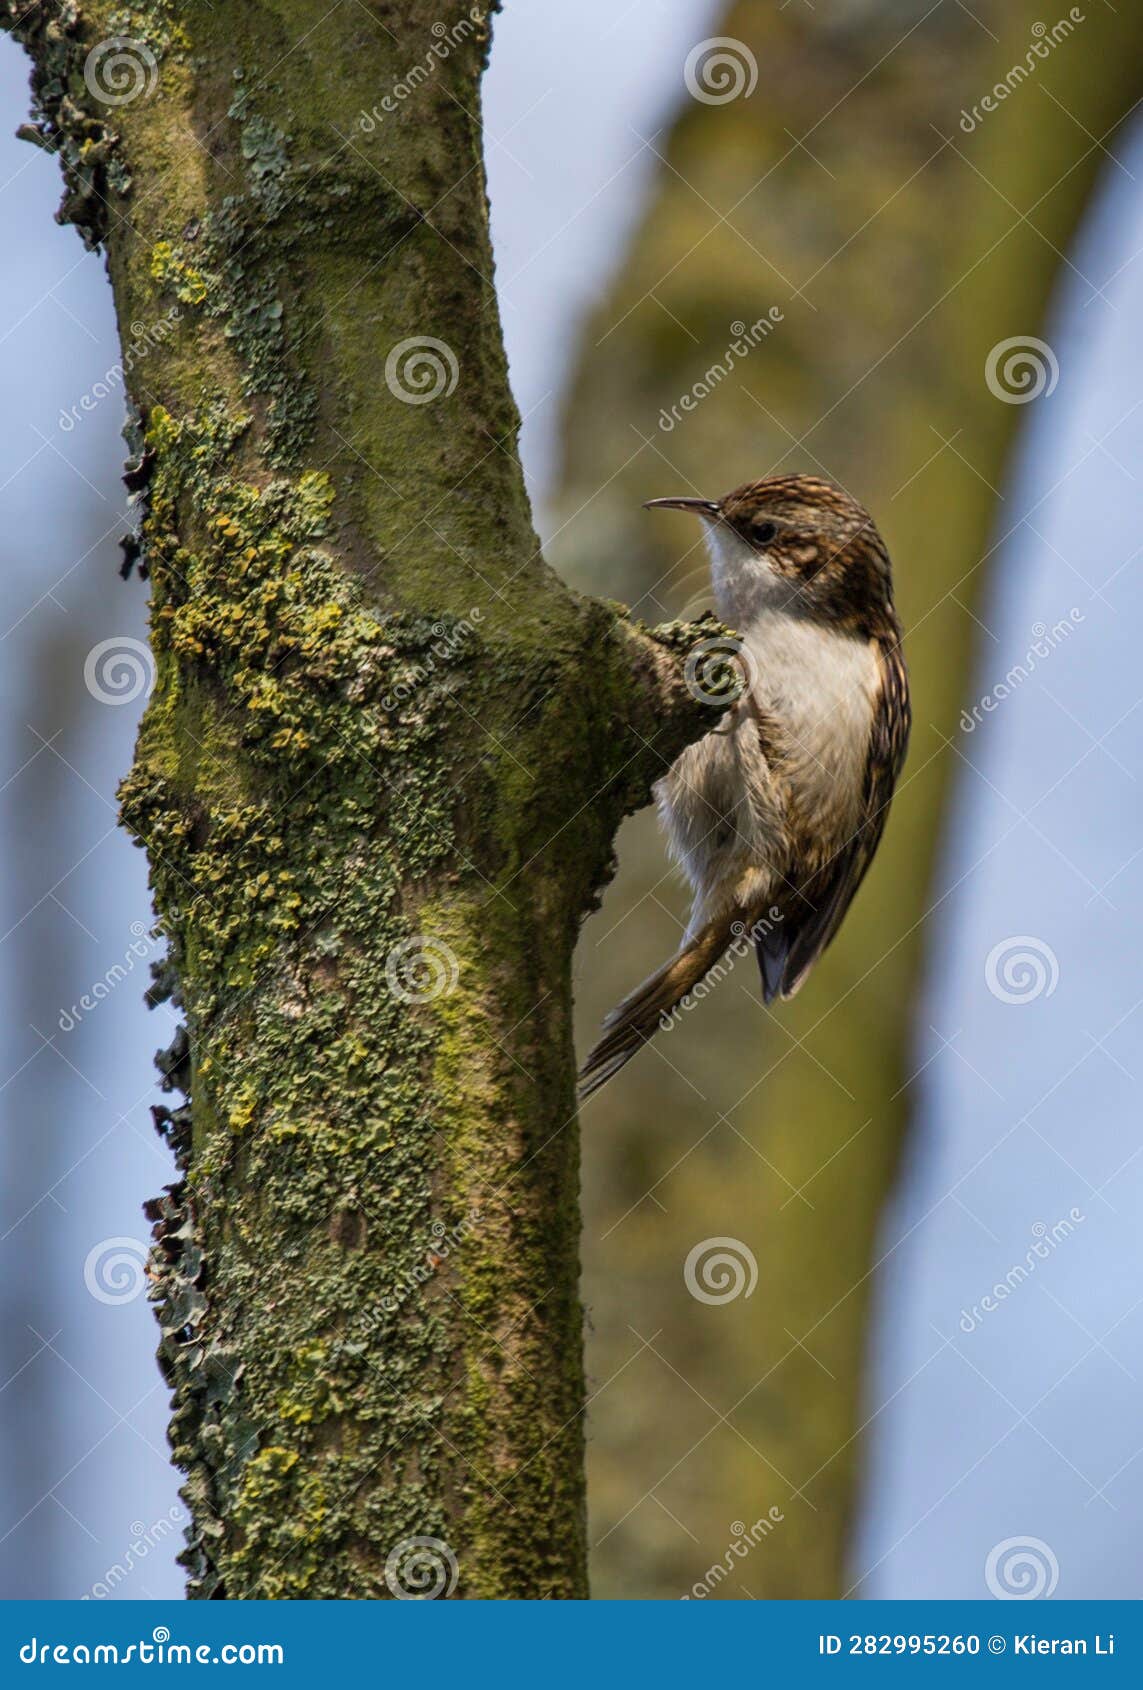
[900, 238]
[377, 779]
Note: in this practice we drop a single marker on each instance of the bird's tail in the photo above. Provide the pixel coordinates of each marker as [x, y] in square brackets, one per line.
[639, 1016]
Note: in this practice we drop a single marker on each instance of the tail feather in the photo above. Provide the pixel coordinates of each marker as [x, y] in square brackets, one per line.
[629, 1027]
[772, 949]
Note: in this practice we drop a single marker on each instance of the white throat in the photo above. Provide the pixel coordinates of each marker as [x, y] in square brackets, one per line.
[744, 584]
[817, 683]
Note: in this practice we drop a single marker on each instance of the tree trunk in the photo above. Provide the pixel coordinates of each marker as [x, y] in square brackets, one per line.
[378, 780]
[901, 239]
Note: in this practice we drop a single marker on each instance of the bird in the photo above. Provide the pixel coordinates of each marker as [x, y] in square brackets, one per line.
[774, 815]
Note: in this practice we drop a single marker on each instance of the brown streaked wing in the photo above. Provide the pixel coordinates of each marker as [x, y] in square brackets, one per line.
[826, 896]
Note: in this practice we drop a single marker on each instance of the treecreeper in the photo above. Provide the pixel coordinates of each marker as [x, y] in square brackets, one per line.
[775, 815]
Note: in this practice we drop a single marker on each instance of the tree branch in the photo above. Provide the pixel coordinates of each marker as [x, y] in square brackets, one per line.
[378, 781]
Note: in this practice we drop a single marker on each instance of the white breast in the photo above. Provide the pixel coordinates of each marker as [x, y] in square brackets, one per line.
[820, 687]
[726, 808]
[819, 684]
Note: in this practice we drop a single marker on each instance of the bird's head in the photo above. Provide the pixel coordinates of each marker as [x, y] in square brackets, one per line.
[797, 544]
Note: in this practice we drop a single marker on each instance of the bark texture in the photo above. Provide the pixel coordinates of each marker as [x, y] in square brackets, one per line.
[378, 780]
[901, 239]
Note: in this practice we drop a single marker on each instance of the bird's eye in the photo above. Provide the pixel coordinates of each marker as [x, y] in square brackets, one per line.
[764, 532]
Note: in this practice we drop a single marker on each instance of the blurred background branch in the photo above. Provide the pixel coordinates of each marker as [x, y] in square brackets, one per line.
[854, 197]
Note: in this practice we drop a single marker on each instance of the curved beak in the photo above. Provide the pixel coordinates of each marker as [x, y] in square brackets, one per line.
[701, 507]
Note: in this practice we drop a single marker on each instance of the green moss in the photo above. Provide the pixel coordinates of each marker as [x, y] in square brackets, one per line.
[157, 24]
[286, 867]
[225, 266]
[171, 270]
